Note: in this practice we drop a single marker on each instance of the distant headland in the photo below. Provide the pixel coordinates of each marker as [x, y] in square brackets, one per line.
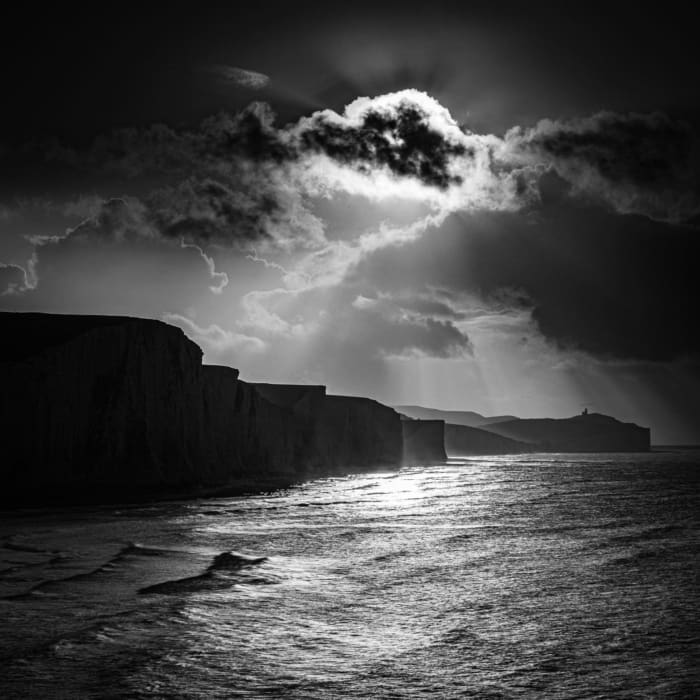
[467, 432]
[108, 408]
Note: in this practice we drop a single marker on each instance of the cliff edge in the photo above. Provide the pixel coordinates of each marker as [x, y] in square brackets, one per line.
[107, 408]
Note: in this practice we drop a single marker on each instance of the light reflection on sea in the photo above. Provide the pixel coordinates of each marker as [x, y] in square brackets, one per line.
[561, 576]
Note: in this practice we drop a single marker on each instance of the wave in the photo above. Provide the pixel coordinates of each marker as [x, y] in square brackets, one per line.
[132, 549]
[13, 546]
[212, 578]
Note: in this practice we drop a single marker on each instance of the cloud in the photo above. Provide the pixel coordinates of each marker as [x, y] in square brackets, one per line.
[407, 145]
[607, 285]
[239, 76]
[343, 334]
[118, 219]
[244, 183]
[84, 207]
[215, 146]
[390, 328]
[347, 318]
[237, 178]
[427, 305]
[220, 211]
[241, 180]
[644, 164]
[233, 181]
[122, 221]
[407, 133]
[222, 277]
[15, 279]
[219, 345]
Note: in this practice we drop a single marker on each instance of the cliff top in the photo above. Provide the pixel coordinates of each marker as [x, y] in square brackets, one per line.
[583, 419]
[28, 334]
[358, 399]
[287, 395]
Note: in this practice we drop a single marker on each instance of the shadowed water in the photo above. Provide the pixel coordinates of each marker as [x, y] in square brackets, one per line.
[559, 576]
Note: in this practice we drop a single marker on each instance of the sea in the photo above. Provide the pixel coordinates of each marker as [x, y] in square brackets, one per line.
[527, 576]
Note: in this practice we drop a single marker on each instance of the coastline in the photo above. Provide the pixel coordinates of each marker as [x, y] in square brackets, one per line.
[108, 409]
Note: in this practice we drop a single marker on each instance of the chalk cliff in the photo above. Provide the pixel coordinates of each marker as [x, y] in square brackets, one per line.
[338, 432]
[423, 441]
[102, 408]
[97, 402]
[97, 408]
[361, 433]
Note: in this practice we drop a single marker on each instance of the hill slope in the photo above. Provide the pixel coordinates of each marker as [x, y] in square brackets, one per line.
[593, 432]
[468, 418]
[464, 440]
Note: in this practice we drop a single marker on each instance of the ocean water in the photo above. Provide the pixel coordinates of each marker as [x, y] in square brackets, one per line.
[534, 576]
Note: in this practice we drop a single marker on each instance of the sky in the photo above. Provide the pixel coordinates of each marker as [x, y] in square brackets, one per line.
[479, 206]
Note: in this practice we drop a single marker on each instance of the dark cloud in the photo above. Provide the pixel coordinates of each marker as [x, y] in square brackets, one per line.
[639, 163]
[250, 134]
[636, 163]
[208, 211]
[214, 146]
[117, 219]
[613, 286]
[241, 181]
[629, 291]
[401, 140]
[398, 137]
[221, 183]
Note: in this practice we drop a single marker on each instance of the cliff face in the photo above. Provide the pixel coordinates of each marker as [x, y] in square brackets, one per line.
[286, 424]
[337, 432]
[592, 432]
[423, 441]
[98, 401]
[359, 432]
[110, 407]
[463, 440]
[279, 440]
